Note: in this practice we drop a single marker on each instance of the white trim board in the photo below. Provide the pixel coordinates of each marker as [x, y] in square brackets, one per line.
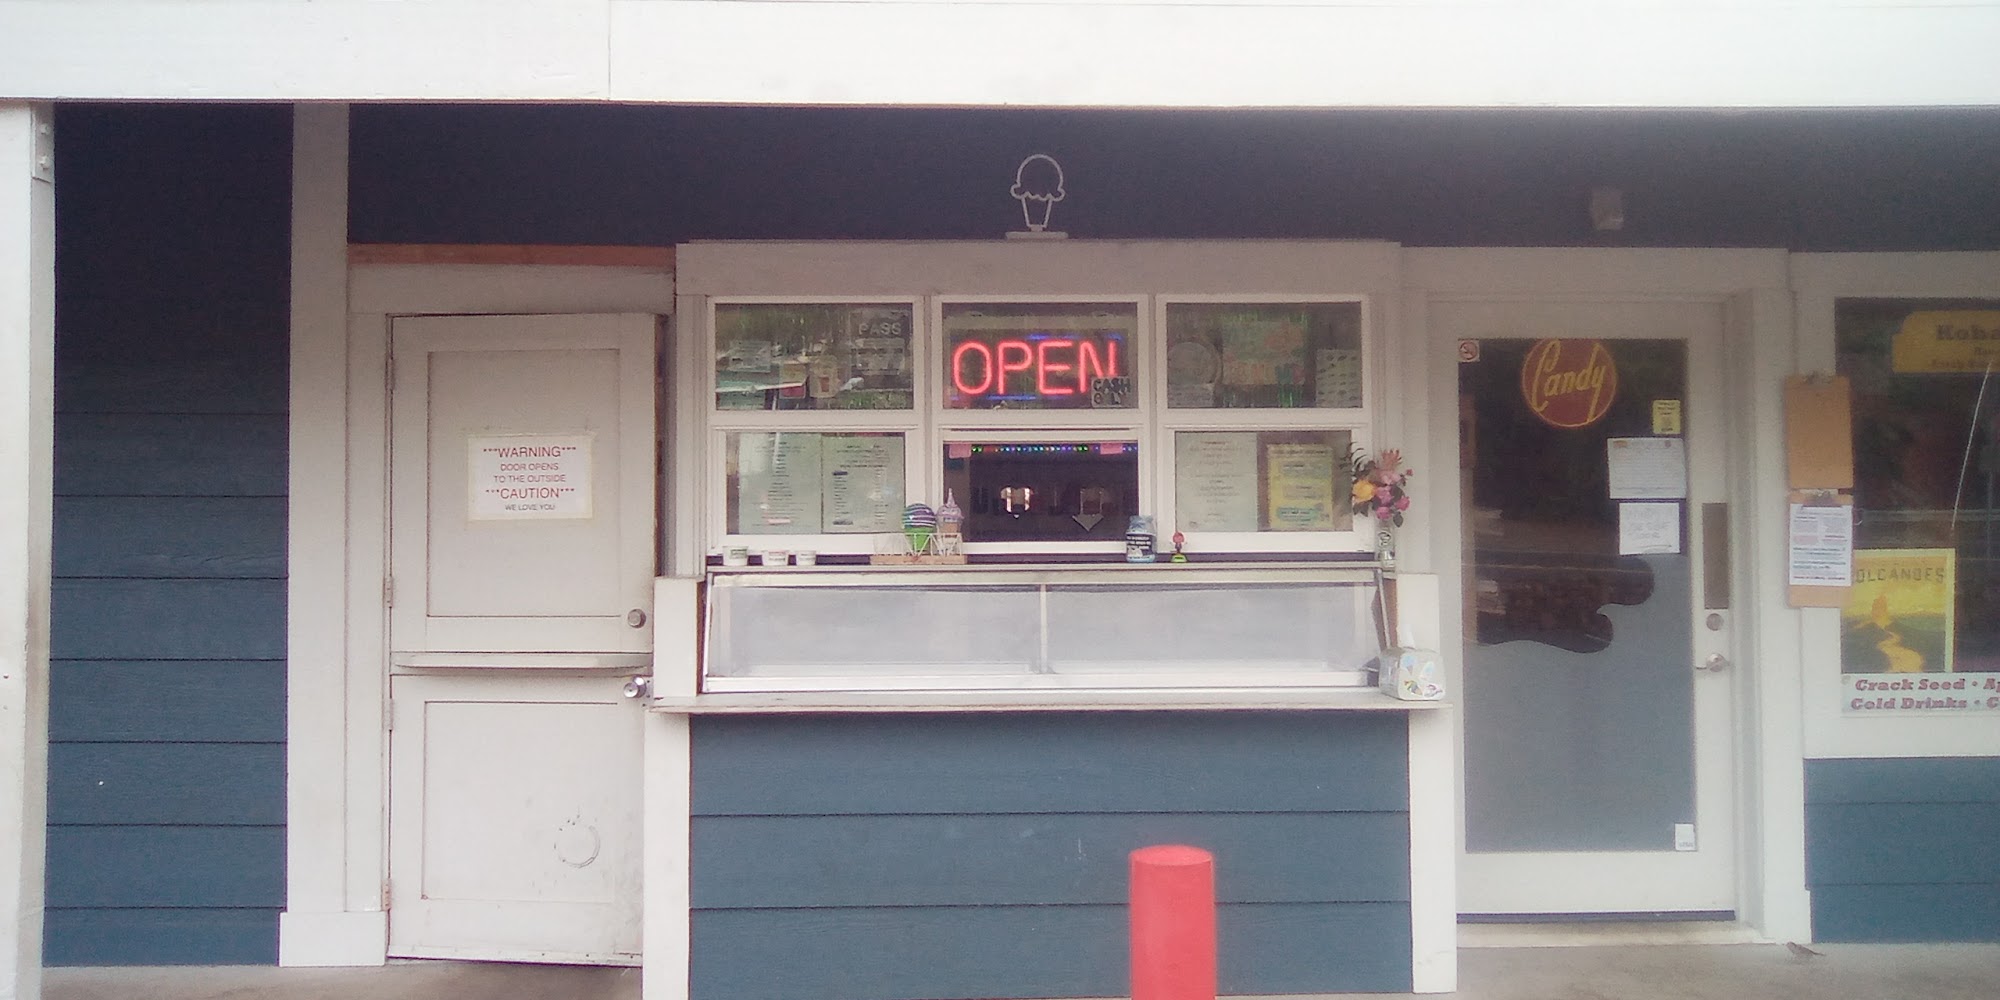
[1017, 53]
[1820, 280]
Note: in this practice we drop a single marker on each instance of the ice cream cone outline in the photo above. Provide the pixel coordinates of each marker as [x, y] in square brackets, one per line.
[1038, 185]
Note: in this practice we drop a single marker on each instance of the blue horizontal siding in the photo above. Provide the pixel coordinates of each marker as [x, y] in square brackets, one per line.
[962, 953]
[1154, 762]
[215, 784]
[156, 537]
[1903, 779]
[1906, 913]
[161, 936]
[167, 680]
[98, 619]
[251, 380]
[974, 855]
[171, 454]
[1903, 849]
[1048, 858]
[166, 866]
[1907, 843]
[192, 701]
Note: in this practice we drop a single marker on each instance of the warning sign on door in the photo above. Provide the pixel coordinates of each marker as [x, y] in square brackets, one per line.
[528, 476]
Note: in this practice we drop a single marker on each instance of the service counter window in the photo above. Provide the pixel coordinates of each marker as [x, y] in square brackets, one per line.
[1043, 490]
[1926, 596]
[852, 428]
[1069, 356]
[1264, 355]
[814, 409]
[813, 355]
[863, 629]
[808, 483]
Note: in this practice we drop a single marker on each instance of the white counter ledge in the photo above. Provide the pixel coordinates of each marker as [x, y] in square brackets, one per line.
[1178, 699]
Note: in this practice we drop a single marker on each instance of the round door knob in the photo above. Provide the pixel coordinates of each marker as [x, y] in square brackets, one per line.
[1715, 663]
[635, 618]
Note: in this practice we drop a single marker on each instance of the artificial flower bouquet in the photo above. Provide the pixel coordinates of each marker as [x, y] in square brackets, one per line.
[1381, 485]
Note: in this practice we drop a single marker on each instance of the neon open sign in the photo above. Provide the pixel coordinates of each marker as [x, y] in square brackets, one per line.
[1039, 370]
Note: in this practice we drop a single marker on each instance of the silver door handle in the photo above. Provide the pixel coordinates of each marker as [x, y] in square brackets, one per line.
[1715, 663]
[639, 687]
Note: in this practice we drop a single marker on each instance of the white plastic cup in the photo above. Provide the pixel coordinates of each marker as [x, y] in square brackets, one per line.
[736, 555]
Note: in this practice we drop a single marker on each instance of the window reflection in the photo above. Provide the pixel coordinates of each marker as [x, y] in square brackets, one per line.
[1541, 527]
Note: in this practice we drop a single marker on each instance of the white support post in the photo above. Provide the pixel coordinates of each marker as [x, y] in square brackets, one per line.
[27, 421]
[323, 924]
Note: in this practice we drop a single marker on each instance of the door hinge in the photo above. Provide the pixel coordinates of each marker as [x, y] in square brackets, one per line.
[387, 885]
[388, 591]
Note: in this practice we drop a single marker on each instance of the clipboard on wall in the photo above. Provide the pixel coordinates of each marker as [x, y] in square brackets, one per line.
[1819, 556]
[1819, 432]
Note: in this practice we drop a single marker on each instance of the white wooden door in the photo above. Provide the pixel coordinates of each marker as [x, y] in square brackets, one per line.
[523, 493]
[515, 810]
[1595, 692]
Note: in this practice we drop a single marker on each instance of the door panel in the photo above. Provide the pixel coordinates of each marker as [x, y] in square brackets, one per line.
[1594, 777]
[515, 819]
[523, 511]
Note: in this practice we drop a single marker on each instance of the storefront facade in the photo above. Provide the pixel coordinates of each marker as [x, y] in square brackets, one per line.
[925, 785]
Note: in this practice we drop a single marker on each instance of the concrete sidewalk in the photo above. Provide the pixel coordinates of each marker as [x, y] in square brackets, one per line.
[1637, 972]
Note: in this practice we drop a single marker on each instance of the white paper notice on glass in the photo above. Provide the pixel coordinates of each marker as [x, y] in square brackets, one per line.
[1646, 529]
[780, 484]
[1648, 468]
[1822, 546]
[864, 483]
[528, 477]
[1215, 481]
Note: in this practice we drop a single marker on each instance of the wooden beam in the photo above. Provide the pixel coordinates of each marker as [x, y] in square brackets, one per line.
[660, 258]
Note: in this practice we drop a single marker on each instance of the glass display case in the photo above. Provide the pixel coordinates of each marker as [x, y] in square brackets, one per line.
[998, 628]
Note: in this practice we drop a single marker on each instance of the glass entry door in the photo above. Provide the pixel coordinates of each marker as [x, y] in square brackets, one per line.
[1595, 679]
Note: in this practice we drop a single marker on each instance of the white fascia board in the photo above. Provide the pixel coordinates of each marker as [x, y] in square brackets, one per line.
[1501, 53]
[1050, 53]
[297, 50]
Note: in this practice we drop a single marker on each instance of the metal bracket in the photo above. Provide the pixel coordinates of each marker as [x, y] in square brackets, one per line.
[43, 167]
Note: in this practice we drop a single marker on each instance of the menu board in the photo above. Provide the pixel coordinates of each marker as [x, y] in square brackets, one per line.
[863, 488]
[1299, 487]
[809, 484]
[1215, 481]
[779, 481]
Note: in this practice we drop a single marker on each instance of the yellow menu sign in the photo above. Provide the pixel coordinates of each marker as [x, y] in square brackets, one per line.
[1947, 340]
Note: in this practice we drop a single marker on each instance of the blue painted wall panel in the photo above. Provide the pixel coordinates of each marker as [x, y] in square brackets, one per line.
[1039, 858]
[187, 784]
[167, 691]
[1903, 779]
[153, 537]
[981, 855]
[192, 701]
[161, 936]
[100, 619]
[1902, 849]
[1051, 762]
[961, 953]
[166, 866]
[170, 454]
[1906, 913]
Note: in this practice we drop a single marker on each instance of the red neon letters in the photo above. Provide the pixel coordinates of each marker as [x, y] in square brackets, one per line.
[1053, 366]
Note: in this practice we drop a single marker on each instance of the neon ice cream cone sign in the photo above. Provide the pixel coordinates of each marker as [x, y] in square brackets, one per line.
[1038, 185]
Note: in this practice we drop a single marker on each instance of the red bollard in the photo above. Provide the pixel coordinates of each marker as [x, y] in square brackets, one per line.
[1173, 923]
